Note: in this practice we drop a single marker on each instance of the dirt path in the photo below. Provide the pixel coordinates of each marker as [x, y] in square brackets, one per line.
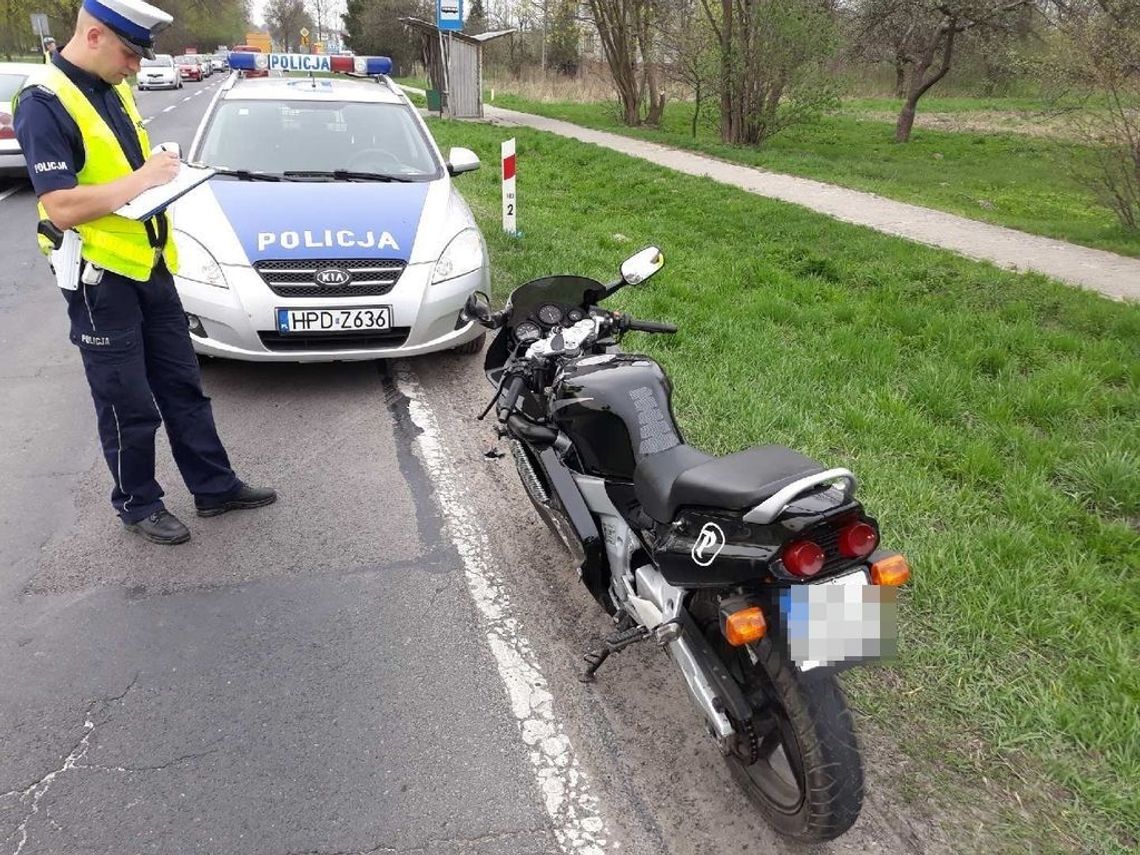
[1113, 275]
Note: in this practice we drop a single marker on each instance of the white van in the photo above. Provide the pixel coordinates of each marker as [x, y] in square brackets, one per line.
[159, 73]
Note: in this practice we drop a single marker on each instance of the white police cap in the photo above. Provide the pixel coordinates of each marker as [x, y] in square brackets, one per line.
[133, 21]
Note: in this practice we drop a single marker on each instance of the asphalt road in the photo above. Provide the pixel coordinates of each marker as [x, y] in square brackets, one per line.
[383, 661]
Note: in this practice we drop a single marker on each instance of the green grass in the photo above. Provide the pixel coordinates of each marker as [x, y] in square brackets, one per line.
[1012, 180]
[992, 419]
[417, 82]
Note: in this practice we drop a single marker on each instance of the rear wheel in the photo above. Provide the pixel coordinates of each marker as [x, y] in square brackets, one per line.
[797, 759]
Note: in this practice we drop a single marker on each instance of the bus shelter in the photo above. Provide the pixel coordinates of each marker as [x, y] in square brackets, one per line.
[454, 63]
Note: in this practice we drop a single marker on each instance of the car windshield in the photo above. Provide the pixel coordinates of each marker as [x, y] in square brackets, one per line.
[162, 60]
[185, 60]
[319, 137]
[9, 85]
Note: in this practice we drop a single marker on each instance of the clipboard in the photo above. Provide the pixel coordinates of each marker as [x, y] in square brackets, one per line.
[150, 202]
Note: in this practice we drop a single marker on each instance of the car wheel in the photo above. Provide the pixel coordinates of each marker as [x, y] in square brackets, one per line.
[472, 347]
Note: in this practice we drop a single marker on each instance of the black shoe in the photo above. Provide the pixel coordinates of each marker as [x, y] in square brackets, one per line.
[161, 527]
[245, 497]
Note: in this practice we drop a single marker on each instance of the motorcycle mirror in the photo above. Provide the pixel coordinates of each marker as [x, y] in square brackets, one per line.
[637, 268]
[477, 310]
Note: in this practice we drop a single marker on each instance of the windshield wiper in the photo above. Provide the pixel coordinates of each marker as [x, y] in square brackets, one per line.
[247, 175]
[348, 175]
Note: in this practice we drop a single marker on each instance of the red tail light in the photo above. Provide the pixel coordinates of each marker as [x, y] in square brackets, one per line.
[803, 558]
[858, 540]
[7, 132]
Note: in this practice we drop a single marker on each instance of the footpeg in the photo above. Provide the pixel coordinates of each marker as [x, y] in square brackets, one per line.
[619, 641]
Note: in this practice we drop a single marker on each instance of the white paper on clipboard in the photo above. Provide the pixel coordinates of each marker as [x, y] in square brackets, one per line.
[150, 202]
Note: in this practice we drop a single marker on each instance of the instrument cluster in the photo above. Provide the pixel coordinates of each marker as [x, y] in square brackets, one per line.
[547, 317]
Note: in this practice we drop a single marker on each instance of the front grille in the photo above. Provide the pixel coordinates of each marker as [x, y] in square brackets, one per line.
[370, 276]
[362, 340]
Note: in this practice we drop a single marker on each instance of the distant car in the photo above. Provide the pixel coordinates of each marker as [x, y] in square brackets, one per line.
[206, 64]
[12, 77]
[333, 229]
[159, 73]
[188, 67]
[218, 62]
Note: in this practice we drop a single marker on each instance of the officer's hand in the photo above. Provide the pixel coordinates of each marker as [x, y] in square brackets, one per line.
[159, 168]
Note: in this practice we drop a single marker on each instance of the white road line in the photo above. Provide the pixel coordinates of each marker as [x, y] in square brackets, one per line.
[8, 192]
[148, 121]
[168, 109]
[187, 98]
[564, 787]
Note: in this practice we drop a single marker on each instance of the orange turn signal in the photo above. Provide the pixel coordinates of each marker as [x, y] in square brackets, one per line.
[891, 571]
[745, 626]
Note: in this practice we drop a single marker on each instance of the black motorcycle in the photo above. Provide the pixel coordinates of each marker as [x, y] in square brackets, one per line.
[758, 573]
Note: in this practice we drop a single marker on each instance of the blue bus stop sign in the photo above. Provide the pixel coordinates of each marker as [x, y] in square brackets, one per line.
[449, 14]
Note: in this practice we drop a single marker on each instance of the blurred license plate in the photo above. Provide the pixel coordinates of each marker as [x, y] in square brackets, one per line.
[334, 320]
[841, 620]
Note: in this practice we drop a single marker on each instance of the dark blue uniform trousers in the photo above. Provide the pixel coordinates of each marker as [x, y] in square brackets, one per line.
[141, 367]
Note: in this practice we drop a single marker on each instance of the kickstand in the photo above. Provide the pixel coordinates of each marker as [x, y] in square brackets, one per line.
[627, 634]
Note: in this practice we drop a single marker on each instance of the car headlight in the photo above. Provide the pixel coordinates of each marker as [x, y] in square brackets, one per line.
[196, 263]
[464, 254]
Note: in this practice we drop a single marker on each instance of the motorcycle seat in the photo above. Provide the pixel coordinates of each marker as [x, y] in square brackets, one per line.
[683, 475]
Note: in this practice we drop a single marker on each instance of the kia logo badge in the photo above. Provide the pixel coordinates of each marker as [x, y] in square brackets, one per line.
[708, 544]
[330, 277]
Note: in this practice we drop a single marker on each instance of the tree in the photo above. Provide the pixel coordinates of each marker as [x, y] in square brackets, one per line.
[476, 22]
[923, 35]
[563, 54]
[202, 24]
[771, 55]
[1095, 63]
[373, 27]
[625, 30]
[690, 41]
[285, 19]
[16, 36]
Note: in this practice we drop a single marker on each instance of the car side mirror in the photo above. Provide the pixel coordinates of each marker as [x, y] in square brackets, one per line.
[460, 160]
[637, 268]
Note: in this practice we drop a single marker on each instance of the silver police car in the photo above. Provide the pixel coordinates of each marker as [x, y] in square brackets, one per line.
[331, 230]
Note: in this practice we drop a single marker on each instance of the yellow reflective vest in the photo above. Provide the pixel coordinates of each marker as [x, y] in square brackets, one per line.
[112, 242]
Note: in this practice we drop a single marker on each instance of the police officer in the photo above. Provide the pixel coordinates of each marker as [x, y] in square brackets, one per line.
[87, 154]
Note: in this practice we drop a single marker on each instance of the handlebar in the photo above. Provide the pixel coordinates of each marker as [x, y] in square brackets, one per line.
[648, 326]
[513, 391]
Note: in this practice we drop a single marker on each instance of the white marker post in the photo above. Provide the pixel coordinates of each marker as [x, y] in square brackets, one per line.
[510, 204]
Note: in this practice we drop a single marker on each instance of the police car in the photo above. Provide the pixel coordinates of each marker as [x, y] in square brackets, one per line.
[331, 230]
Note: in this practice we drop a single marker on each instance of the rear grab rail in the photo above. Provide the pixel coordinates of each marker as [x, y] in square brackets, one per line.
[778, 502]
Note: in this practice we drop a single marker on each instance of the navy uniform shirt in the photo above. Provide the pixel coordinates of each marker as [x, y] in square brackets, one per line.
[51, 141]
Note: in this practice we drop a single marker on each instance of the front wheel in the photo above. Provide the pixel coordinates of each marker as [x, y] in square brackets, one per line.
[471, 347]
[801, 765]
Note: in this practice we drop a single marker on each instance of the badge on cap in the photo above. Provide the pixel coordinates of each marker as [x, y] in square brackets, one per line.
[134, 21]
